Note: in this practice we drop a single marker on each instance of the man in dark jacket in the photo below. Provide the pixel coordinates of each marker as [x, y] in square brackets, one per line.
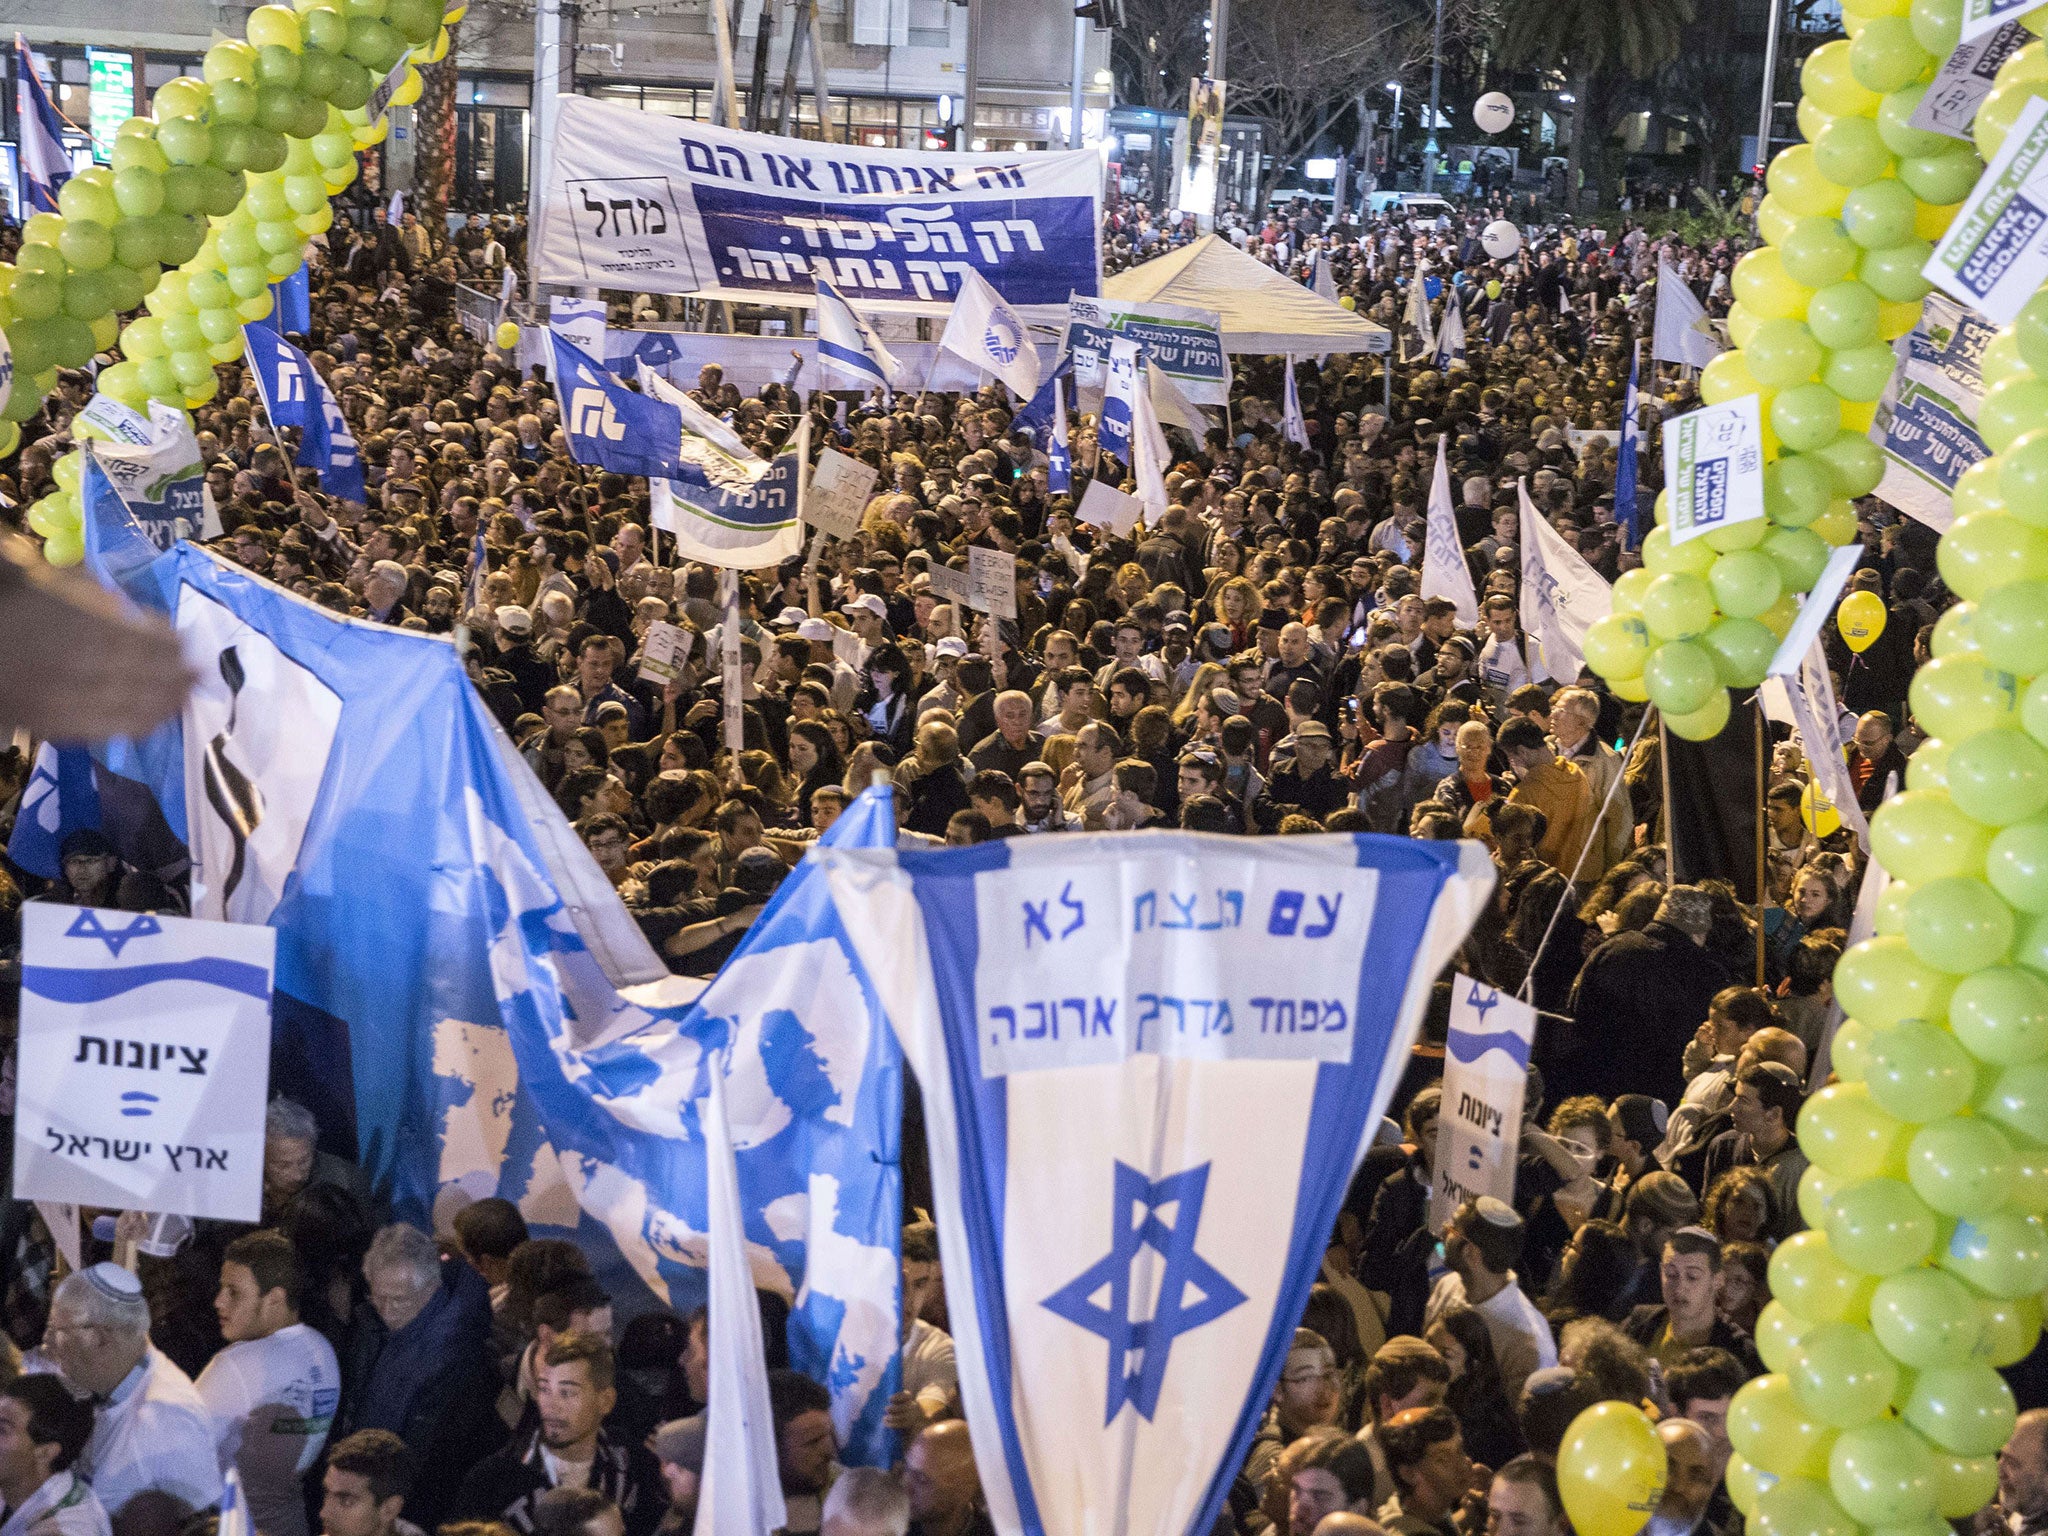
[574, 1390]
[1875, 760]
[1688, 1319]
[1640, 998]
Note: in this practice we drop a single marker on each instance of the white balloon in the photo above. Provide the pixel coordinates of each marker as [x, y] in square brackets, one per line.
[1493, 111]
[1500, 239]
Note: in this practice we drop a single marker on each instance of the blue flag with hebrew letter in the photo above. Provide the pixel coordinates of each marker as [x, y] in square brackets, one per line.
[1149, 1062]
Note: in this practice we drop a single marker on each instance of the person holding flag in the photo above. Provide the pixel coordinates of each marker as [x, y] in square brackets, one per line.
[1450, 333]
[294, 395]
[849, 351]
[1625, 472]
[1292, 427]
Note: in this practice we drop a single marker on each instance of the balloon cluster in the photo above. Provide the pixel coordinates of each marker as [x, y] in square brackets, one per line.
[204, 205]
[1848, 225]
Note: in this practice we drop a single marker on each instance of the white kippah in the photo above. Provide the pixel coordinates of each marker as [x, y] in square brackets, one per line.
[1495, 1212]
[114, 1281]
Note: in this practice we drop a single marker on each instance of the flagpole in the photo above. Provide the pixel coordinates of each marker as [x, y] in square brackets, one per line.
[1763, 888]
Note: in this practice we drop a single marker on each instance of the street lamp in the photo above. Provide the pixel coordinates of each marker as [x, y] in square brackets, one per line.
[1394, 134]
[1436, 73]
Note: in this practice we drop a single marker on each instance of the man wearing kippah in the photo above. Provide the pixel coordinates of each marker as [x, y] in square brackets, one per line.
[1482, 1245]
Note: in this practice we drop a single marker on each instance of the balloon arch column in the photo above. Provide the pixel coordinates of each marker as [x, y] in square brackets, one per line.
[205, 205]
[1926, 1258]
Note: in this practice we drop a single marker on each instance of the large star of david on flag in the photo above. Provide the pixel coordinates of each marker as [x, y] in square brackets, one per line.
[1137, 1203]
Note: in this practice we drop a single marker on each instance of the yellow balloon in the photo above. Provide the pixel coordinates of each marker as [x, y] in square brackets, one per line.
[1742, 321]
[1930, 222]
[1811, 120]
[408, 90]
[1774, 221]
[1827, 78]
[507, 336]
[1726, 378]
[1610, 1470]
[1894, 320]
[1765, 288]
[1857, 415]
[431, 53]
[1861, 619]
[1817, 811]
[455, 14]
[373, 134]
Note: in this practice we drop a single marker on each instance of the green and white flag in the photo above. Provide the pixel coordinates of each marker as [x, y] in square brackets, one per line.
[1714, 468]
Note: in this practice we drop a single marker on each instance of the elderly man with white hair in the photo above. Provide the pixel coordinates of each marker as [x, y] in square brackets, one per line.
[384, 593]
[151, 1459]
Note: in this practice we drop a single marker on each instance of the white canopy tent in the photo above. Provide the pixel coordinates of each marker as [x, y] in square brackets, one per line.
[1264, 311]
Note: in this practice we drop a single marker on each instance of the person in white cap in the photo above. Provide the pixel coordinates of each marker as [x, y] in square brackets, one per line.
[151, 1458]
[869, 616]
[819, 634]
[946, 656]
[1482, 1245]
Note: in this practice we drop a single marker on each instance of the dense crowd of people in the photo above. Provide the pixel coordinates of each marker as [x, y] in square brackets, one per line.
[1259, 660]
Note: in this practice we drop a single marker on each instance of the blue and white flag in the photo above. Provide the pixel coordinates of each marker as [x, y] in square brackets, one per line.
[1119, 400]
[848, 348]
[607, 424]
[1562, 596]
[743, 526]
[1150, 455]
[1035, 415]
[1680, 331]
[985, 331]
[1625, 471]
[1450, 333]
[293, 298]
[1292, 427]
[1094, 1022]
[1444, 571]
[294, 395]
[1417, 316]
[490, 1021]
[1325, 284]
[45, 160]
[234, 1508]
[59, 799]
[1059, 464]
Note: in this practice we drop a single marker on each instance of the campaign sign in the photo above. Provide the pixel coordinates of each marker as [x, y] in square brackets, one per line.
[1714, 466]
[144, 1061]
[1184, 343]
[1995, 253]
[1486, 1072]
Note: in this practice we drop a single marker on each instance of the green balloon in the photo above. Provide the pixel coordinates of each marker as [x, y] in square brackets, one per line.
[1767, 1425]
[1663, 558]
[1677, 607]
[1778, 1332]
[1966, 1409]
[1942, 179]
[1884, 57]
[1841, 1375]
[1956, 697]
[1850, 1056]
[86, 246]
[277, 107]
[353, 86]
[233, 103]
[1998, 777]
[1879, 1226]
[1816, 252]
[2018, 1101]
[1810, 1280]
[86, 297]
[2011, 408]
[1894, 271]
[1800, 554]
[319, 73]
[2012, 1327]
[1742, 650]
[1843, 315]
[1797, 489]
[324, 29]
[131, 152]
[1799, 1506]
[1938, 27]
[417, 21]
[1895, 127]
[1879, 213]
[1860, 373]
[35, 296]
[183, 189]
[1807, 416]
[1882, 981]
[138, 193]
[2010, 627]
[1958, 924]
[2001, 1254]
[1782, 353]
[80, 200]
[1850, 152]
[376, 47]
[1617, 646]
[1923, 835]
[178, 238]
[1882, 1473]
[1923, 1318]
[126, 286]
[266, 151]
[1960, 1166]
[2023, 477]
[1919, 1072]
[1845, 1129]
[2031, 332]
[277, 67]
[185, 140]
[1858, 463]
[1679, 675]
[1745, 583]
[2017, 865]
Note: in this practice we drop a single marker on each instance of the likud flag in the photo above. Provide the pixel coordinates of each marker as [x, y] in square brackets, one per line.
[1444, 571]
[1035, 415]
[1094, 1020]
[1681, 333]
[1450, 332]
[294, 395]
[709, 444]
[59, 799]
[849, 351]
[293, 301]
[1059, 464]
[491, 1022]
[985, 331]
[1626, 474]
[607, 424]
[1561, 597]
[45, 161]
[736, 526]
[1292, 427]
[1119, 395]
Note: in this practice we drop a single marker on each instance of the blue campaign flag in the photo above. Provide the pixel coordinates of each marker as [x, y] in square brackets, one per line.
[1625, 473]
[60, 798]
[294, 395]
[294, 300]
[1036, 414]
[1059, 463]
[609, 425]
[489, 1021]
[45, 160]
[1094, 1021]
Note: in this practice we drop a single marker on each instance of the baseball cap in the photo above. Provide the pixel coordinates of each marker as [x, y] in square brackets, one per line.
[814, 629]
[952, 646]
[869, 602]
[790, 617]
[514, 620]
[1313, 728]
[680, 1442]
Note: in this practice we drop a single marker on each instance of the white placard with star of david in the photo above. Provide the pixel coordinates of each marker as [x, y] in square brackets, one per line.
[145, 1061]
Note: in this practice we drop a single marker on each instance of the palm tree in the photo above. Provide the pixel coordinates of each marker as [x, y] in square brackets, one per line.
[1593, 43]
[434, 135]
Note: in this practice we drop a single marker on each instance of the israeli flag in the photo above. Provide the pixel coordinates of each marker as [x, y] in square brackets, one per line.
[1094, 1022]
[1292, 427]
[490, 1021]
[988, 333]
[45, 159]
[1059, 464]
[294, 395]
[293, 298]
[60, 798]
[1036, 414]
[1325, 280]
[1562, 595]
[1417, 318]
[1625, 472]
[1444, 571]
[848, 348]
[1119, 400]
[1450, 333]
[608, 425]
